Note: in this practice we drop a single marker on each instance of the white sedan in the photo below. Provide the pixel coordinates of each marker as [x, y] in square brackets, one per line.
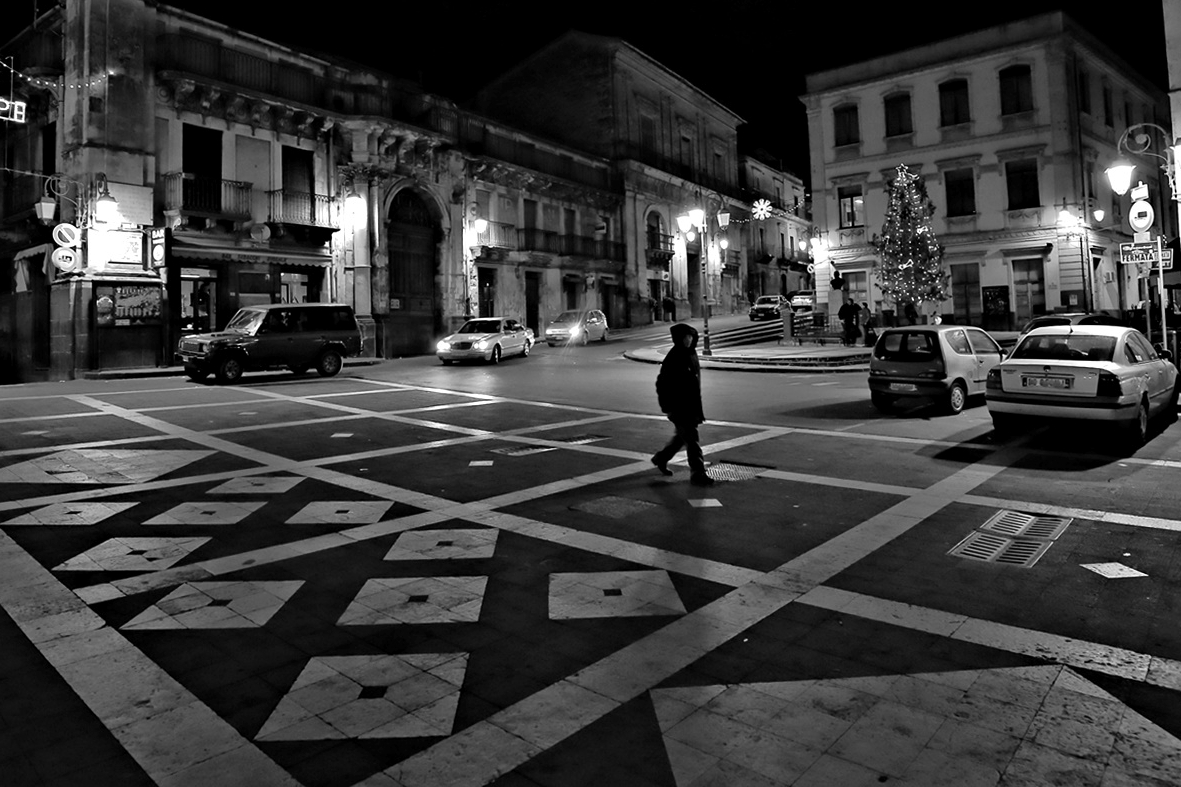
[485, 339]
[1087, 373]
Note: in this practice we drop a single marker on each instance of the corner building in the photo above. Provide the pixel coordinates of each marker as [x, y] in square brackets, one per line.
[1007, 127]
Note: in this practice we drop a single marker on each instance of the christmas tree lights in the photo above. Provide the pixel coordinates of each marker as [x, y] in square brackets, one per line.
[911, 259]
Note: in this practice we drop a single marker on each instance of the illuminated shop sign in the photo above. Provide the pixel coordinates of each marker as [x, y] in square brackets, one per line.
[12, 110]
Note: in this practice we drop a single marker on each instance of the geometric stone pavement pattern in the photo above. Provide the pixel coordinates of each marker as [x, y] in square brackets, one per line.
[132, 554]
[99, 466]
[374, 696]
[1023, 725]
[216, 605]
[70, 514]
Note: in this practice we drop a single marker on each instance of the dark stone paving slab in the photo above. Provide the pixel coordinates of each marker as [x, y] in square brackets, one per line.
[176, 395]
[315, 441]
[743, 531]
[384, 399]
[447, 471]
[48, 433]
[880, 462]
[40, 406]
[503, 416]
[251, 413]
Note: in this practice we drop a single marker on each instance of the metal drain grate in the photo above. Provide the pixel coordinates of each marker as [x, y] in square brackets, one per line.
[1016, 523]
[729, 471]
[523, 450]
[992, 548]
[581, 439]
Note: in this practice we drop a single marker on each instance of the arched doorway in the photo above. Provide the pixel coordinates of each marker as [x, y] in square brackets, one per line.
[414, 321]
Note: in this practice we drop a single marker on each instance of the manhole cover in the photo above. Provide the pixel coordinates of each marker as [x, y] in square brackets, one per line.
[1016, 523]
[581, 439]
[730, 471]
[614, 507]
[992, 548]
[523, 450]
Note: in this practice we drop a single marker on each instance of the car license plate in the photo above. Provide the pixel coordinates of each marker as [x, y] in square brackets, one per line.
[1046, 382]
[907, 387]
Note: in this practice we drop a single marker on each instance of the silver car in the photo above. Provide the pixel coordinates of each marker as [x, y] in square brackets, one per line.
[945, 364]
[577, 327]
[1091, 373]
[485, 339]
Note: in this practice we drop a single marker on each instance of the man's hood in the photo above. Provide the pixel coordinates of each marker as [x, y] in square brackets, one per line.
[681, 330]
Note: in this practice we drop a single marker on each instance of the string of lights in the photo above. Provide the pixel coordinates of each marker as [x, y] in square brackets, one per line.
[54, 82]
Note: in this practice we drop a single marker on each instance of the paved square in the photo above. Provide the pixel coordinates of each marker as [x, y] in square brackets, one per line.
[612, 594]
[416, 600]
[452, 544]
[133, 554]
[343, 512]
[216, 605]
[210, 513]
[259, 484]
[378, 696]
[70, 514]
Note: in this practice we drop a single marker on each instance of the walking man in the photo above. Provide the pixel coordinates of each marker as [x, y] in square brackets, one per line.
[678, 389]
[847, 314]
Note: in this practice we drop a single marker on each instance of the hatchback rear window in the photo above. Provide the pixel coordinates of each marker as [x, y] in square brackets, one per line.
[907, 346]
[1071, 347]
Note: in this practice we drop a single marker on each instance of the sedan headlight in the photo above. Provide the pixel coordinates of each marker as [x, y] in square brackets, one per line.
[481, 345]
[443, 345]
[575, 331]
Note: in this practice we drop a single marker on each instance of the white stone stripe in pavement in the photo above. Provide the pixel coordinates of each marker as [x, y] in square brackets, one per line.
[1108, 659]
[1109, 517]
[172, 735]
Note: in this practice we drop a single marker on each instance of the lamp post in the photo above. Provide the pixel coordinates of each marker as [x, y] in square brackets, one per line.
[696, 218]
[1136, 140]
[57, 187]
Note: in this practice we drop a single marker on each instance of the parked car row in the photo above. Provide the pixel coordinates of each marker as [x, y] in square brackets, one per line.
[1071, 370]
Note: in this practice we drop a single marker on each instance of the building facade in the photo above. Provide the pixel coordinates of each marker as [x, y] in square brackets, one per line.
[1010, 129]
[778, 231]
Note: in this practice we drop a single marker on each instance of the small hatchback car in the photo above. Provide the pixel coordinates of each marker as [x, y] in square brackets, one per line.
[942, 363]
[296, 336]
[577, 327]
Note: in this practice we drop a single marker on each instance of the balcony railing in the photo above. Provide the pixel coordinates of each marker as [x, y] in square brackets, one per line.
[582, 246]
[202, 196]
[300, 207]
[498, 235]
[534, 239]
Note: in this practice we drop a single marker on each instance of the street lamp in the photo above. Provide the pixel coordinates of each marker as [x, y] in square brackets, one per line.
[57, 187]
[696, 218]
[1137, 141]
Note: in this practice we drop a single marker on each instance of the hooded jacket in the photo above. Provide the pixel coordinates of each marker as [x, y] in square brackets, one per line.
[678, 385]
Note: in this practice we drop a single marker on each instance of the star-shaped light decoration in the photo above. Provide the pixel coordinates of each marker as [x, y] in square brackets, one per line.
[762, 209]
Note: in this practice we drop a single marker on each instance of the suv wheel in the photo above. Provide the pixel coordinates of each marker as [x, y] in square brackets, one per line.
[195, 374]
[329, 363]
[229, 370]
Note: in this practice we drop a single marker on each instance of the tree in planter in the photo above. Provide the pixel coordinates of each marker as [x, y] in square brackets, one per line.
[911, 260]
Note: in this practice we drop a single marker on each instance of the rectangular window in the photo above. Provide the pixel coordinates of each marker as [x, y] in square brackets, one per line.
[686, 152]
[1084, 92]
[719, 166]
[953, 103]
[852, 206]
[782, 245]
[1108, 107]
[898, 115]
[1016, 90]
[647, 132]
[1021, 180]
[845, 126]
[961, 192]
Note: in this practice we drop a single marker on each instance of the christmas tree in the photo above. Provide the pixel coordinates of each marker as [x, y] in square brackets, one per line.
[911, 268]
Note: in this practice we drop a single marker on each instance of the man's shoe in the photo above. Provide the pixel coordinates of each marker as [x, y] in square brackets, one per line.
[701, 480]
[661, 466]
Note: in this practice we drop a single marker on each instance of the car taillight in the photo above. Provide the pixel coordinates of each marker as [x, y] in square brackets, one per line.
[1109, 385]
[993, 381]
[933, 374]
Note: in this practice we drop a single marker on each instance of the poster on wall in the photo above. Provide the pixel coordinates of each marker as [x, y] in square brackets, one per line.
[127, 305]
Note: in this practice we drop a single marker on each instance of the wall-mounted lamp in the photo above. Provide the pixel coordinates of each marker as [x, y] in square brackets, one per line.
[1136, 140]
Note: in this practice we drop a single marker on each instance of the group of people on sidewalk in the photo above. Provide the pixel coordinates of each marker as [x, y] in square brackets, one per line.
[858, 323]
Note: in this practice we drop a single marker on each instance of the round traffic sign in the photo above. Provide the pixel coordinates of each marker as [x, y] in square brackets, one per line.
[1141, 216]
[66, 260]
[811, 267]
[65, 234]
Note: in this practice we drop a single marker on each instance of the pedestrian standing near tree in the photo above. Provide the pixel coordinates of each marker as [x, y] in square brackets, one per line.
[678, 390]
[847, 314]
[912, 315]
[868, 325]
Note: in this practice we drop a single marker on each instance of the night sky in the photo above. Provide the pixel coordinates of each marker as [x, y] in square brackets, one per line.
[751, 55]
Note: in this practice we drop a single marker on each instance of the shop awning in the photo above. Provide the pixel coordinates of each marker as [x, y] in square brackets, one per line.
[32, 251]
[226, 254]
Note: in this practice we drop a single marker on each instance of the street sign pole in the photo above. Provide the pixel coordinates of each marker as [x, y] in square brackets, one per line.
[1160, 266]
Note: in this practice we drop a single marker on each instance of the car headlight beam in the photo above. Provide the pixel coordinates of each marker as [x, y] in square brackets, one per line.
[443, 345]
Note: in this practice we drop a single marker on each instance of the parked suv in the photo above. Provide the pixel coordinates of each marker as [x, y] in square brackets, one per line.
[941, 363]
[282, 335]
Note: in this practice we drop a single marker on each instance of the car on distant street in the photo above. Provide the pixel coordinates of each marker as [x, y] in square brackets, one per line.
[486, 339]
[577, 327]
[296, 336]
[944, 364]
[768, 307]
[804, 300]
[1070, 318]
[1097, 373]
